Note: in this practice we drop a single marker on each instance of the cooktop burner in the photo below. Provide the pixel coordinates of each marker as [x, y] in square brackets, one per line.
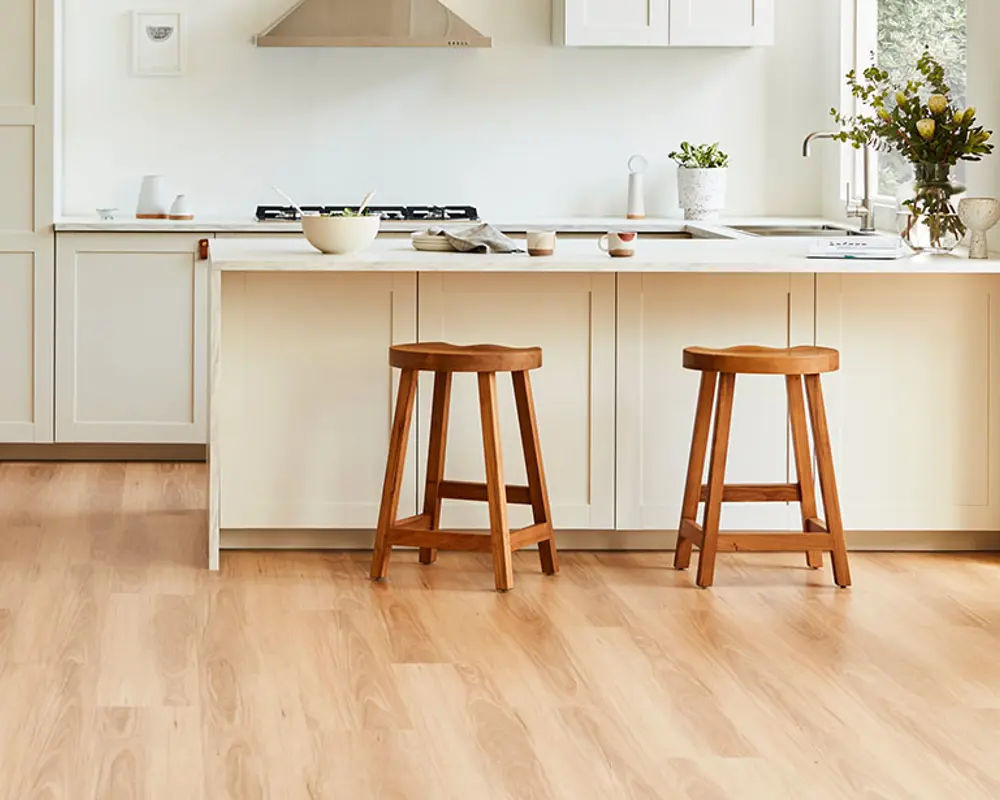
[390, 213]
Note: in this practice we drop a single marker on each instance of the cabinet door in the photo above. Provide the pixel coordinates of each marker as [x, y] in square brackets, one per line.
[306, 397]
[571, 317]
[580, 23]
[26, 246]
[660, 315]
[721, 23]
[914, 405]
[131, 339]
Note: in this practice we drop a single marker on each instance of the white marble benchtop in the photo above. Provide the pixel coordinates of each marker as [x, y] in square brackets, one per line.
[295, 254]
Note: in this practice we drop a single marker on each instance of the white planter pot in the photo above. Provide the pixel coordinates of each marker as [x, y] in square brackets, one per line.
[701, 192]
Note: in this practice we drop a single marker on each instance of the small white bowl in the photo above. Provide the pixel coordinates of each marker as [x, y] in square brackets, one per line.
[341, 235]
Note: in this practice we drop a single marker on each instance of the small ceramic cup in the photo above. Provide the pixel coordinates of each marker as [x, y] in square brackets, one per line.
[979, 214]
[541, 243]
[618, 244]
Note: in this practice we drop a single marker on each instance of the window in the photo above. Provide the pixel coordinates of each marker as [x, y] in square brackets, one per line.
[897, 31]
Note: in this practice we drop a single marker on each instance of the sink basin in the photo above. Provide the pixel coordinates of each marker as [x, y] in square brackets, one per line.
[797, 230]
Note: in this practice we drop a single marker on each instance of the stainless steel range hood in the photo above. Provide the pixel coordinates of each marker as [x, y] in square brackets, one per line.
[371, 23]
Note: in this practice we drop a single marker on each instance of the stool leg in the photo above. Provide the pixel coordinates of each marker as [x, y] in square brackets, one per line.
[803, 461]
[827, 480]
[496, 489]
[696, 466]
[716, 480]
[398, 438]
[435, 458]
[537, 488]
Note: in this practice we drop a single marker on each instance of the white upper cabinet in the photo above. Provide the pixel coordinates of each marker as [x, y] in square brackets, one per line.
[663, 23]
[603, 23]
[721, 23]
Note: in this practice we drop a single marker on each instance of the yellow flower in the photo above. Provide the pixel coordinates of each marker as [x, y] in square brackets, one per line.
[959, 116]
[937, 103]
[900, 99]
[970, 114]
[884, 115]
[926, 128]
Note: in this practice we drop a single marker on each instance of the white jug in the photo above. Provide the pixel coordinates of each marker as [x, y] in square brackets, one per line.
[153, 200]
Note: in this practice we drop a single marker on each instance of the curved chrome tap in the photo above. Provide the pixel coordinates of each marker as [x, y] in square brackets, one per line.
[865, 209]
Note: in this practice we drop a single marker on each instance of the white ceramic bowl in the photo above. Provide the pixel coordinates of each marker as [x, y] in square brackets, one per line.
[341, 235]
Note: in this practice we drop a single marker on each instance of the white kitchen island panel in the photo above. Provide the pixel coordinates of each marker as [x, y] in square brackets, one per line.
[914, 407]
[572, 318]
[304, 398]
[658, 316]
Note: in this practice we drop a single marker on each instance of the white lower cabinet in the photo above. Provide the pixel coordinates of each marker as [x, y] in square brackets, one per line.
[913, 406]
[131, 338]
[660, 315]
[572, 318]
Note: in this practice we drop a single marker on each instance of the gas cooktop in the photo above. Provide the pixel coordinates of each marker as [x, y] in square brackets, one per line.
[388, 213]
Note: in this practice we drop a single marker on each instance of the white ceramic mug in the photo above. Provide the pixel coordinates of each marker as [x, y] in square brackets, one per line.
[541, 243]
[618, 244]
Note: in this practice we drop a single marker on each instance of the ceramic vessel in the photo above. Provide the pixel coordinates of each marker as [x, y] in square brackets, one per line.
[153, 202]
[541, 243]
[702, 192]
[341, 235]
[180, 209]
[979, 214]
[636, 208]
[618, 244]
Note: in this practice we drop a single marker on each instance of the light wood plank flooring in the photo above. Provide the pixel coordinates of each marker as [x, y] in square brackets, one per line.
[127, 671]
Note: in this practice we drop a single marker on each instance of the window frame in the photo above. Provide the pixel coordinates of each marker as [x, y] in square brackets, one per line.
[861, 40]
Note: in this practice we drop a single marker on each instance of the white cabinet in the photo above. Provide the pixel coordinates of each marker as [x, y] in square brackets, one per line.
[660, 23]
[131, 338]
[26, 242]
[571, 317]
[721, 23]
[914, 406]
[306, 396]
[630, 23]
[658, 316]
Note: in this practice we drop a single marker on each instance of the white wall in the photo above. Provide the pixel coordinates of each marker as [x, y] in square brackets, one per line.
[524, 128]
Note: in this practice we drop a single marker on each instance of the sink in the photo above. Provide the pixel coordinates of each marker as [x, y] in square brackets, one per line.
[797, 230]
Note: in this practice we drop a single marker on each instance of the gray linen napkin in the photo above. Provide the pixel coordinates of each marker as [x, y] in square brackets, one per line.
[481, 238]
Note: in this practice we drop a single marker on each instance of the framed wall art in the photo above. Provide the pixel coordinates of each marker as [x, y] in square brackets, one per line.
[157, 43]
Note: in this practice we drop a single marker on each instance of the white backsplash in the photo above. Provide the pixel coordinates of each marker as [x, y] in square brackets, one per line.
[523, 129]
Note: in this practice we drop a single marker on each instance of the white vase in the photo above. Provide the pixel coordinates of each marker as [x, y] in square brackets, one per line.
[701, 192]
[153, 200]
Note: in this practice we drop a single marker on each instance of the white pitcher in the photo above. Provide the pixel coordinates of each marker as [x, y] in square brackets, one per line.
[153, 200]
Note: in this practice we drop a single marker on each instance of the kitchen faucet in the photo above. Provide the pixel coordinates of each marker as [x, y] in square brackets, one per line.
[864, 210]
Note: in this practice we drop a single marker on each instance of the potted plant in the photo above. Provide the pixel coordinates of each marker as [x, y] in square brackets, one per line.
[921, 121]
[701, 179]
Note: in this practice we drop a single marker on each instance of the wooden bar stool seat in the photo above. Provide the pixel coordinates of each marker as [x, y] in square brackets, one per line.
[719, 368]
[424, 530]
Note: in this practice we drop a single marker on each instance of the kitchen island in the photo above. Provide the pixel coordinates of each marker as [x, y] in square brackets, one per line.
[301, 391]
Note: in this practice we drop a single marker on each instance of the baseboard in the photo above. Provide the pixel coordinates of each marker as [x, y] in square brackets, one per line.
[102, 452]
[896, 541]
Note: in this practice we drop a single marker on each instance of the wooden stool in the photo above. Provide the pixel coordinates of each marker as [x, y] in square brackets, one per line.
[722, 366]
[423, 530]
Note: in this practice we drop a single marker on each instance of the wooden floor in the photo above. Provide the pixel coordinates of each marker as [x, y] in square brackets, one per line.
[128, 671]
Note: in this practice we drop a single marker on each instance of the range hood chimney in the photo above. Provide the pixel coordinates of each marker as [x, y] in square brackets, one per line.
[371, 23]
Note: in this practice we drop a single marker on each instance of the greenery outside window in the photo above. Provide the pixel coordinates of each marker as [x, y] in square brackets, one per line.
[897, 31]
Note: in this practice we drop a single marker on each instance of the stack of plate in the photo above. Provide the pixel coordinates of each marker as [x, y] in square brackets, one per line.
[431, 243]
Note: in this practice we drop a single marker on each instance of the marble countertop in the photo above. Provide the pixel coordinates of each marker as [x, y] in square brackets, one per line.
[273, 254]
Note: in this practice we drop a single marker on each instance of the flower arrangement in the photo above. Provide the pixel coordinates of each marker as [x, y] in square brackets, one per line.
[922, 122]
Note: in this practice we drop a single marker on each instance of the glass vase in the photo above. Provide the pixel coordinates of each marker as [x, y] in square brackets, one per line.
[929, 221]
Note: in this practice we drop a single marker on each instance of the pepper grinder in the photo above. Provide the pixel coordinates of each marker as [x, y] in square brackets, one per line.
[636, 191]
